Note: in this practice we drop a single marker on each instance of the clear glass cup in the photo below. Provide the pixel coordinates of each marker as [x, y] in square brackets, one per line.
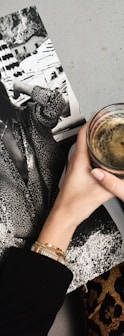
[105, 139]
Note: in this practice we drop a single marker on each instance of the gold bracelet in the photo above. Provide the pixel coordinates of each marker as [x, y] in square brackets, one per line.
[44, 251]
[53, 248]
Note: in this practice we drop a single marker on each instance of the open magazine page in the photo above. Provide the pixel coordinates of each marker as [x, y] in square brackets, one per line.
[38, 132]
[42, 129]
[27, 53]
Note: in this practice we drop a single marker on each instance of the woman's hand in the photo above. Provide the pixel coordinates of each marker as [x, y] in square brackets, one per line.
[110, 182]
[80, 193]
[16, 91]
[21, 87]
[79, 196]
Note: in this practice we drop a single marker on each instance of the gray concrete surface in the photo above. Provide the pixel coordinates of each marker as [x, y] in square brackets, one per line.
[89, 39]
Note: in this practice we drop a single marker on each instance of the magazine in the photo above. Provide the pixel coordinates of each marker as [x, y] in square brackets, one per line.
[29, 186]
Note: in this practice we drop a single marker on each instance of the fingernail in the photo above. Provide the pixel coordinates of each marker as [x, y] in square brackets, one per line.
[98, 174]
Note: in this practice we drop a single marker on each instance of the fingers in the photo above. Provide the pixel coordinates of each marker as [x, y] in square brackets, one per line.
[81, 146]
[112, 183]
[81, 139]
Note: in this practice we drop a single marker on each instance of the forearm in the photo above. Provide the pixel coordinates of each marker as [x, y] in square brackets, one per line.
[58, 229]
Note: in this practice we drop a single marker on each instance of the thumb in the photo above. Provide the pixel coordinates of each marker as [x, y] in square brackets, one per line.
[112, 183]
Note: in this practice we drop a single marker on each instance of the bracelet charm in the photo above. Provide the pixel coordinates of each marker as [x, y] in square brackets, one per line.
[50, 251]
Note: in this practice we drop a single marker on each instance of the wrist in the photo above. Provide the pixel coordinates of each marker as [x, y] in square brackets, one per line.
[50, 251]
[58, 229]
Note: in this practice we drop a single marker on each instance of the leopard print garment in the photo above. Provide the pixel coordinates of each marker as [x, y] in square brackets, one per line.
[103, 305]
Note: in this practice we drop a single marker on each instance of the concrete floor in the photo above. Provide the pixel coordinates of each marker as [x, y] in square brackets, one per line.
[89, 39]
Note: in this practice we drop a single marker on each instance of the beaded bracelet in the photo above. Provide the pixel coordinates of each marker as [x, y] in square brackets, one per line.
[46, 252]
[53, 248]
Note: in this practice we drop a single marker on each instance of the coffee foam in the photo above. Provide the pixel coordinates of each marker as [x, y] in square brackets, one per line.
[108, 142]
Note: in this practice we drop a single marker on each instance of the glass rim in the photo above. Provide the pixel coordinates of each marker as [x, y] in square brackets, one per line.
[91, 122]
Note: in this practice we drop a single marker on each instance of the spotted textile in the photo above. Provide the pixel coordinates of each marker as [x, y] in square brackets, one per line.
[103, 305]
[96, 247]
[24, 206]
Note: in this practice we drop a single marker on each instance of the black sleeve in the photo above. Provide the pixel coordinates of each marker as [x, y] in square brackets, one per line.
[32, 289]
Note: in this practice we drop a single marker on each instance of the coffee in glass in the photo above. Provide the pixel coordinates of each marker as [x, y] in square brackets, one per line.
[105, 139]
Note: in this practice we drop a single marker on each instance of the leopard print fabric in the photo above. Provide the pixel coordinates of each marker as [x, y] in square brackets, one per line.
[103, 305]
